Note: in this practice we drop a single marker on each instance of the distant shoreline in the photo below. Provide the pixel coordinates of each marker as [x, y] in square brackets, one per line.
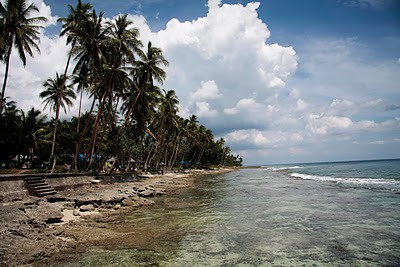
[324, 162]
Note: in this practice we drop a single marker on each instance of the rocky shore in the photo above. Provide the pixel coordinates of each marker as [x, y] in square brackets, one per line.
[36, 231]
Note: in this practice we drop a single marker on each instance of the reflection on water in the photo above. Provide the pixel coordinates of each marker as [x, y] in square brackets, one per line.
[258, 217]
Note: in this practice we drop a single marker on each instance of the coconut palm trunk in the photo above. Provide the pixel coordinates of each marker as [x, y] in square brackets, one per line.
[176, 155]
[53, 145]
[96, 127]
[79, 144]
[3, 90]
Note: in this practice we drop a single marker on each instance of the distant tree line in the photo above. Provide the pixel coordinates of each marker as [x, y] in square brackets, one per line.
[130, 119]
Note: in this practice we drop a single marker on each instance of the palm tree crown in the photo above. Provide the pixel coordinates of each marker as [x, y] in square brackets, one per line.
[76, 16]
[18, 30]
[52, 93]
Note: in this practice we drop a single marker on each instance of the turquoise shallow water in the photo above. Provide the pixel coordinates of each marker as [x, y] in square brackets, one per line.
[264, 217]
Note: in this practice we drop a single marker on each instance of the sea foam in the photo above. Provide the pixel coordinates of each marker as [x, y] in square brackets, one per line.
[338, 180]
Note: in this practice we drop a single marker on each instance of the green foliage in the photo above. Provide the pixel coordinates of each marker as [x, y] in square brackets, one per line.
[131, 118]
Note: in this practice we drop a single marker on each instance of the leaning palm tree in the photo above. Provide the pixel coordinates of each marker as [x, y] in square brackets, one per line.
[147, 69]
[168, 120]
[18, 30]
[119, 50]
[71, 23]
[56, 96]
[91, 36]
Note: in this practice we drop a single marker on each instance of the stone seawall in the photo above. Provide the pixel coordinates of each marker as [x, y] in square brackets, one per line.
[13, 187]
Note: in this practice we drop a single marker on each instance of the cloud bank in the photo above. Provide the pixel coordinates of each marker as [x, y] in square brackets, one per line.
[270, 102]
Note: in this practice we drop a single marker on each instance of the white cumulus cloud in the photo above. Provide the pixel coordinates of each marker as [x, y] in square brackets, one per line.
[207, 90]
[203, 109]
[323, 125]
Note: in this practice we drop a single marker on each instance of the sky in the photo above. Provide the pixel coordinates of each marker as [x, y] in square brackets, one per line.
[282, 81]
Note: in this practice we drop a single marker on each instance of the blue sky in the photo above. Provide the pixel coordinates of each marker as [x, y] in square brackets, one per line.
[282, 81]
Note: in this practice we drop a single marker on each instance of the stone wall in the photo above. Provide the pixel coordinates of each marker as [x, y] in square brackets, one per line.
[13, 187]
[67, 182]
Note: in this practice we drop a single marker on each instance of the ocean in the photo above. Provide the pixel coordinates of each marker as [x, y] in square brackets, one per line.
[372, 174]
[316, 214]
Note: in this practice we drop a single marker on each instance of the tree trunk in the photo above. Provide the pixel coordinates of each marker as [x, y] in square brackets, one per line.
[96, 126]
[77, 131]
[194, 156]
[148, 156]
[99, 112]
[3, 90]
[173, 153]
[79, 113]
[78, 145]
[154, 153]
[176, 154]
[130, 111]
[200, 156]
[53, 145]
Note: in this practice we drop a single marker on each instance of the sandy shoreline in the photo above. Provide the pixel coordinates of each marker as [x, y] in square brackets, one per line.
[37, 231]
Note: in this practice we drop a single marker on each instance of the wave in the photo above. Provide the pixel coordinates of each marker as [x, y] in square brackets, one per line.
[283, 168]
[360, 181]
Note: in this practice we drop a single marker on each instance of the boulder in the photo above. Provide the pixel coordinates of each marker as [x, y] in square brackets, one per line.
[127, 202]
[49, 213]
[88, 207]
[146, 193]
[76, 213]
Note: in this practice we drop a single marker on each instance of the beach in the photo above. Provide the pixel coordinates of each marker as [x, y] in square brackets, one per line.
[37, 231]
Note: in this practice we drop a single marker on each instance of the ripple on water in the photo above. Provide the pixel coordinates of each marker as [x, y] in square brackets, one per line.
[260, 218]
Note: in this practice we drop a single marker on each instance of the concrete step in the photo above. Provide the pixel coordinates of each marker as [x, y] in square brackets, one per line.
[45, 189]
[41, 194]
[39, 186]
[37, 183]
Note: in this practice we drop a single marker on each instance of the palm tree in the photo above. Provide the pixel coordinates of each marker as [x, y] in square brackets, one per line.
[146, 70]
[192, 134]
[180, 139]
[71, 23]
[119, 50]
[52, 93]
[125, 38]
[54, 98]
[18, 30]
[90, 35]
[168, 120]
[77, 16]
[88, 51]
[32, 125]
[10, 120]
[82, 83]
